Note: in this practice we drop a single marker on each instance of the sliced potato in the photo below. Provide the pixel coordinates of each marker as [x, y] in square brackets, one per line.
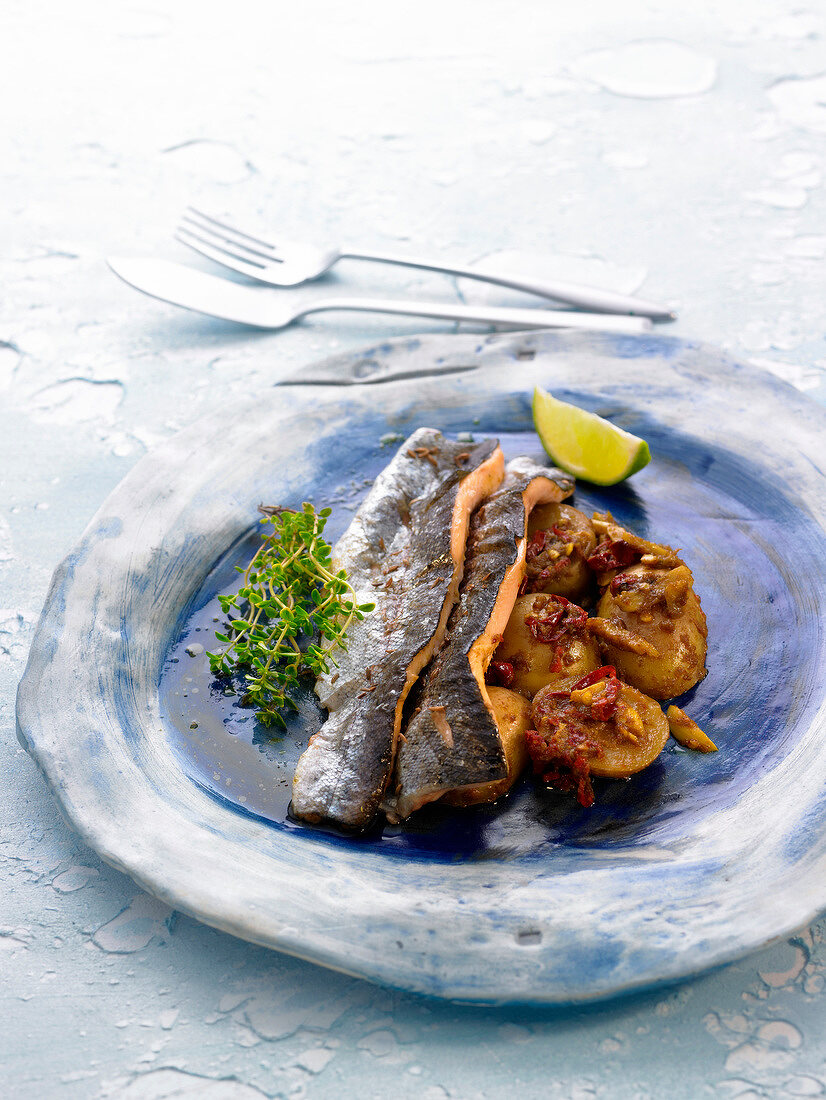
[665, 612]
[559, 565]
[616, 747]
[537, 663]
[513, 716]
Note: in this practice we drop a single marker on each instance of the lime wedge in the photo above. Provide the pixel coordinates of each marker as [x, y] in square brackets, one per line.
[584, 444]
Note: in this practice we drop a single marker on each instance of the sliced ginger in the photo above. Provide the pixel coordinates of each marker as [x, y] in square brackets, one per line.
[687, 732]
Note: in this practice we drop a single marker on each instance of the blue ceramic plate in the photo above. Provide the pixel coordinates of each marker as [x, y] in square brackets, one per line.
[693, 862]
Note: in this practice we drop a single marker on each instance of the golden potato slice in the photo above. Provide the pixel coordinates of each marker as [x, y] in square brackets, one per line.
[658, 607]
[630, 738]
[560, 538]
[513, 716]
[569, 650]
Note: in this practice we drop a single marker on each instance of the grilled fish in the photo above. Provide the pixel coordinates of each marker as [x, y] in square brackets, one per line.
[404, 551]
[452, 740]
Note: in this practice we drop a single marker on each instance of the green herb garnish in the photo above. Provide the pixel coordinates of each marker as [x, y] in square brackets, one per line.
[289, 613]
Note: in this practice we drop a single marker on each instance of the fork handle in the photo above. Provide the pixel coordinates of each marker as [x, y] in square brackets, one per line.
[492, 315]
[583, 297]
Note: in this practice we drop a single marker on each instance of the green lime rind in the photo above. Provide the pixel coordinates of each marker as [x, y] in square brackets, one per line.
[584, 444]
[642, 459]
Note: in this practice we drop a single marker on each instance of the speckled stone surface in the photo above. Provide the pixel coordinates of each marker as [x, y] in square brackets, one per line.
[678, 153]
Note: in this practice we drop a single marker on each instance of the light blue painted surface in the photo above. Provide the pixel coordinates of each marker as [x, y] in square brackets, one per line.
[471, 129]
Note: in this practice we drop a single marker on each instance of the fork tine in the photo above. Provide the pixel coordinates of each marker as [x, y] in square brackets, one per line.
[219, 255]
[222, 240]
[207, 224]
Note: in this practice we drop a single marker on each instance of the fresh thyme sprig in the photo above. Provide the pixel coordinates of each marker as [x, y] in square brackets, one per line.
[290, 611]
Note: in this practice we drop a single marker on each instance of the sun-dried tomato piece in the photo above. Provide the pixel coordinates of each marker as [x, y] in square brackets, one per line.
[500, 673]
[602, 673]
[558, 617]
[604, 705]
[624, 582]
[613, 554]
[545, 627]
[536, 545]
[562, 766]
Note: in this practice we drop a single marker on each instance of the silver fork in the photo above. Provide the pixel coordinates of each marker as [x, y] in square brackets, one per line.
[289, 264]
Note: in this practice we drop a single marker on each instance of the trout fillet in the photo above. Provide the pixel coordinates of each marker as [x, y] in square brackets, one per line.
[404, 551]
[452, 740]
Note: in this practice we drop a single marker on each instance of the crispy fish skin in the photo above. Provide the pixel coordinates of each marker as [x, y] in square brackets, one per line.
[404, 550]
[452, 741]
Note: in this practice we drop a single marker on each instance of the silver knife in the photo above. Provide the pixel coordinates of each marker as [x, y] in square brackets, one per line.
[263, 307]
